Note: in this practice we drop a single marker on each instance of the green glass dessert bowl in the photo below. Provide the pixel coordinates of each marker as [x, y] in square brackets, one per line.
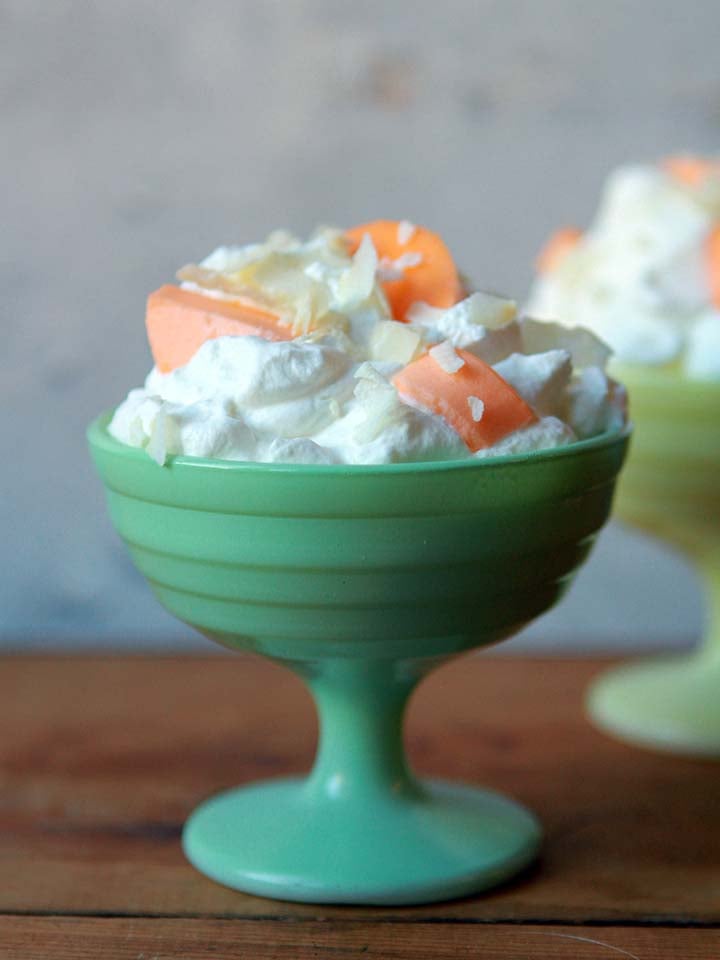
[671, 489]
[360, 579]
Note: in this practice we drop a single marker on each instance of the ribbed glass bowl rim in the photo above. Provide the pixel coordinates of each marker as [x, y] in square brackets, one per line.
[98, 436]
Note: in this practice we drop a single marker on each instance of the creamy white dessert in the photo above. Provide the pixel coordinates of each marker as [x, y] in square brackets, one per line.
[336, 377]
[645, 276]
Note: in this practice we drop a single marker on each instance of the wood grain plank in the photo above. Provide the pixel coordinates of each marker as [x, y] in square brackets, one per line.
[101, 759]
[37, 938]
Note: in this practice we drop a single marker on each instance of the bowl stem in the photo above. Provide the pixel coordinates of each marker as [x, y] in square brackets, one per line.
[361, 706]
[360, 828]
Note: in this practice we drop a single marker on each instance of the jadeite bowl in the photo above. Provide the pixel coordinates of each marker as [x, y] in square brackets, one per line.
[361, 579]
[671, 488]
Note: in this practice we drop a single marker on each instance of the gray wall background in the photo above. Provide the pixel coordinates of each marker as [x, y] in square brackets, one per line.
[135, 136]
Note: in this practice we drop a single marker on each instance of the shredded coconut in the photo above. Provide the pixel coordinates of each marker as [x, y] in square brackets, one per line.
[405, 232]
[488, 310]
[477, 408]
[445, 357]
[410, 259]
[421, 312]
[393, 342]
[389, 269]
[357, 283]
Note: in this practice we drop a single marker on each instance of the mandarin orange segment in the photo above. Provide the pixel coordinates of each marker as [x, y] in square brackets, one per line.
[690, 170]
[557, 248]
[712, 260]
[433, 279]
[426, 383]
[179, 322]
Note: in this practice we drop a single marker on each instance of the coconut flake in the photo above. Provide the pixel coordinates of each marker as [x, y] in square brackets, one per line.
[445, 357]
[393, 342]
[421, 312]
[410, 259]
[357, 283]
[477, 408]
[389, 269]
[488, 310]
[406, 230]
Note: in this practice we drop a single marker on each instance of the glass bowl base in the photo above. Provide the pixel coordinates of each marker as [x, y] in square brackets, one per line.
[433, 841]
[670, 704]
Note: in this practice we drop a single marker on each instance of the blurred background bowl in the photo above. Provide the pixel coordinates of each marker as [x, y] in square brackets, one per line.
[671, 488]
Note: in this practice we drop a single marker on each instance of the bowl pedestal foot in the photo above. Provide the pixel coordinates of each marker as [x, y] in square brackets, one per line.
[671, 704]
[360, 829]
[668, 703]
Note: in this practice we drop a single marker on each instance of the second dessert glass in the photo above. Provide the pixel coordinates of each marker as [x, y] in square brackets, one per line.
[361, 580]
[671, 488]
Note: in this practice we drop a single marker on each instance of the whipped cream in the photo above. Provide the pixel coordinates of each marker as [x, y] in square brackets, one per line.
[326, 396]
[639, 276]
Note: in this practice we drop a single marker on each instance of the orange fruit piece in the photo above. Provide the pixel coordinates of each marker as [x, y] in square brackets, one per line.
[179, 321]
[557, 248]
[433, 279]
[690, 170]
[426, 383]
[712, 260]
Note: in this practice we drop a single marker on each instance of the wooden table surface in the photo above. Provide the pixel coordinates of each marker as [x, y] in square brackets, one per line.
[102, 758]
